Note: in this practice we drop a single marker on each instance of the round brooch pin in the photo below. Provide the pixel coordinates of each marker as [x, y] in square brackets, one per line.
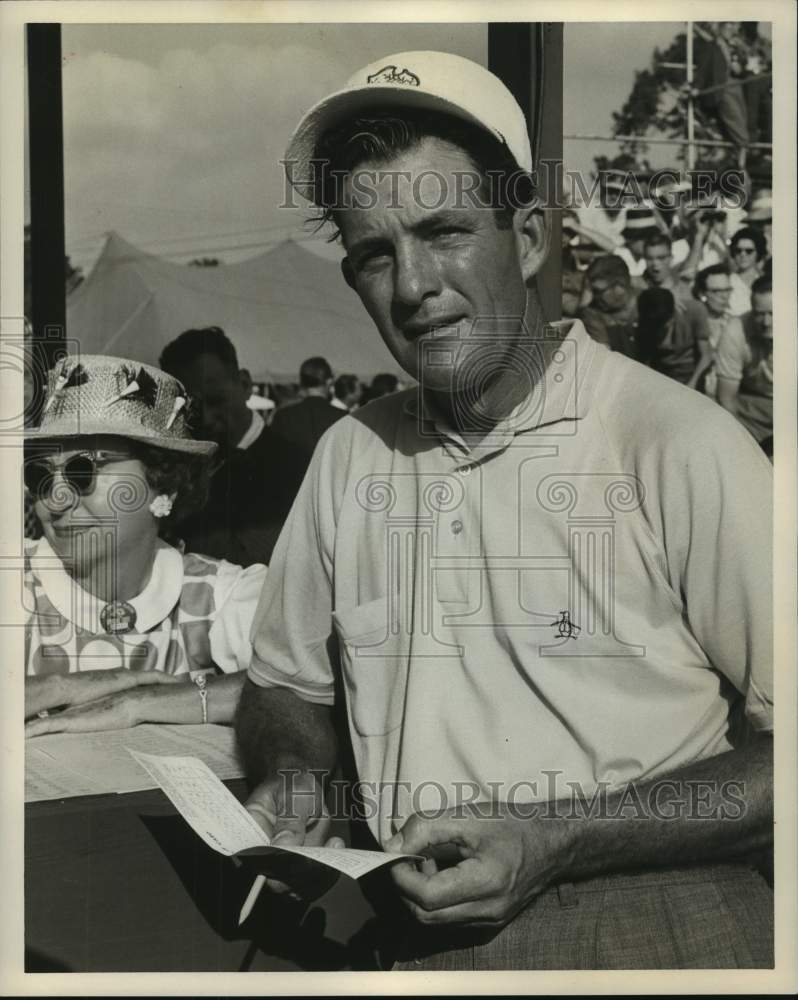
[118, 617]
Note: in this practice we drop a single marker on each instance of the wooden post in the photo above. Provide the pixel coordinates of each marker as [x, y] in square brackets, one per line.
[690, 112]
[46, 157]
[528, 59]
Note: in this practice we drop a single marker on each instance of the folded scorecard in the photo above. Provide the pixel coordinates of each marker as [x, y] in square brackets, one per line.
[224, 824]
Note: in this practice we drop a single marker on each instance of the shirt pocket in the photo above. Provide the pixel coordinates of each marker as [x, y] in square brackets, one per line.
[374, 667]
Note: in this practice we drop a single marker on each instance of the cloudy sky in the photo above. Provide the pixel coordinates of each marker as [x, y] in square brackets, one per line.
[172, 132]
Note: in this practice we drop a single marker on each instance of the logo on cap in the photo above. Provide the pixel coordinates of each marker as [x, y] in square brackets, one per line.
[390, 74]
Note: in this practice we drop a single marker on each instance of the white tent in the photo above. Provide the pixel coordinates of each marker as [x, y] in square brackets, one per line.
[278, 308]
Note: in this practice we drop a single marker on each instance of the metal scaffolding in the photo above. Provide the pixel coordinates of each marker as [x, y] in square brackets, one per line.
[690, 140]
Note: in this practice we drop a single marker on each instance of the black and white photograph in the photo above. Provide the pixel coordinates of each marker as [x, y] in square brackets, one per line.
[398, 506]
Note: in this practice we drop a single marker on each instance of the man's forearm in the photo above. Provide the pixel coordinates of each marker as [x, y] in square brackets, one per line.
[278, 731]
[704, 362]
[689, 265]
[715, 809]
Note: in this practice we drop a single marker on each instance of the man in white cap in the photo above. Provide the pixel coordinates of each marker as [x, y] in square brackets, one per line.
[533, 580]
[640, 223]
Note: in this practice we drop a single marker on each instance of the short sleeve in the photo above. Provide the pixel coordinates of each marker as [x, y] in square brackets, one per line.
[694, 316]
[293, 624]
[717, 515]
[731, 356]
[237, 592]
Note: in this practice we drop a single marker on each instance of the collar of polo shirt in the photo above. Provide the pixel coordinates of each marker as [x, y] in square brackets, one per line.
[560, 397]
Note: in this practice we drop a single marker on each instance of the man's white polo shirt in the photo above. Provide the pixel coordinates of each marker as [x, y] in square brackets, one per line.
[575, 599]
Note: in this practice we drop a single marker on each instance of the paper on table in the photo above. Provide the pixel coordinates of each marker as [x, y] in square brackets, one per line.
[47, 778]
[224, 824]
[63, 765]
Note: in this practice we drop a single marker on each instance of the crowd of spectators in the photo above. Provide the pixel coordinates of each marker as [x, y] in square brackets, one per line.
[686, 292]
[264, 451]
[347, 392]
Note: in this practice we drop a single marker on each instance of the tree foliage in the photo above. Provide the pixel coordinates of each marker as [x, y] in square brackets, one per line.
[655, 108]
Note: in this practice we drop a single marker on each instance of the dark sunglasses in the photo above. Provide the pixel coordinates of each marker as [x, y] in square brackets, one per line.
[79, 472]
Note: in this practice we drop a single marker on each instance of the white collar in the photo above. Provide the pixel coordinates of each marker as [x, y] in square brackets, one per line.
[253, 432]
[555, 399]
[77, 605]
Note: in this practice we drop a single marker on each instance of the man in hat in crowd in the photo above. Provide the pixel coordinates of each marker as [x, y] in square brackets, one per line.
[640, 223]
[533, 579]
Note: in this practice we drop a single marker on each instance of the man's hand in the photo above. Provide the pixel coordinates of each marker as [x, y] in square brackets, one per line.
[505, 858]
[288, 745]
[502, 862]
[701, 228]
[52, 691]
[291, 811]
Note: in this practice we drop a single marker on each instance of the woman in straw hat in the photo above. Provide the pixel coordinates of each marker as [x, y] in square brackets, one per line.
[120, 623]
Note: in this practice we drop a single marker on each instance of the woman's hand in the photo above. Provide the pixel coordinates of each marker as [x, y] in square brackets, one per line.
[115, 711]
[55, 690]
[127, 698]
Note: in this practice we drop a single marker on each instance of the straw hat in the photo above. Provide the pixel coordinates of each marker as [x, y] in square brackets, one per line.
[640, 222]
[96, 394]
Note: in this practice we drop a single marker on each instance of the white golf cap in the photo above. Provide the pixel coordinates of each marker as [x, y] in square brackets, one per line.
[436, 81]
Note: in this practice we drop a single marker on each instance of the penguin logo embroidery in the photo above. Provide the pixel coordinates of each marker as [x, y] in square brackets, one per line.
[566, 629]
